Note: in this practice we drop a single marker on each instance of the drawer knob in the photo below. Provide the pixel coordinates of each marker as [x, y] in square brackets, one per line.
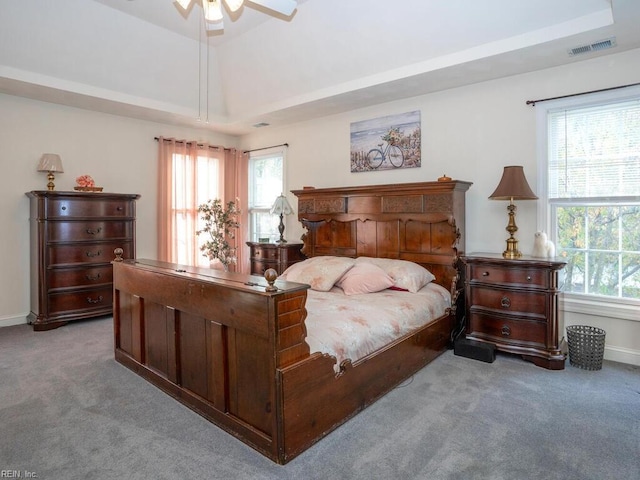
[94, 231]
[119, 209]
[96, 300]
[94, 254]
[506, 331]
[485, 274]
[528, 278]
[92, 278]
[505, 302]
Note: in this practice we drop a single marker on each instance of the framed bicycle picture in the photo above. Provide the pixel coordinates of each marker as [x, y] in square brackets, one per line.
[385, 143]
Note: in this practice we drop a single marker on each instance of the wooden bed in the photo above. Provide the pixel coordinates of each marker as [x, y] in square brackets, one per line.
[235, 352]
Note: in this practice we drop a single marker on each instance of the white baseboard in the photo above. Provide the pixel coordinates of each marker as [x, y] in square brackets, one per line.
[622, 355]
[13, 320]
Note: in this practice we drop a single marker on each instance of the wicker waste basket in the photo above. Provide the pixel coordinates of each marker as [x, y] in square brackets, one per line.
[586, 346]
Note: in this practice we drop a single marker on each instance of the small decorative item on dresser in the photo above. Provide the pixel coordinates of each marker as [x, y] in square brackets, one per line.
[542, 247]
[86, 184]
[444, 178]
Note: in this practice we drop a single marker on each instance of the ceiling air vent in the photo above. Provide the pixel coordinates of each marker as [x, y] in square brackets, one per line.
[260, 124]
[593, 47]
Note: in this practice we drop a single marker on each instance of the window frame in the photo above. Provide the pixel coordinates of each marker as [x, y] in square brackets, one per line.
[584, 303]
[252, 210]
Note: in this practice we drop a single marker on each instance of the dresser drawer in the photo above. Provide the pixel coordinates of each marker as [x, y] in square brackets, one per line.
[503, 329]
[89, 230]
[88, 253]
[98, 299]
[70, 207]
[265, 253]
[513, 302]
[75, 277]
[513, 276]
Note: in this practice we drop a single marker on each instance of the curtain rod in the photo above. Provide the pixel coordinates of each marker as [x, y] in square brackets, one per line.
[264, 148]
[533, 102]
[215, 147]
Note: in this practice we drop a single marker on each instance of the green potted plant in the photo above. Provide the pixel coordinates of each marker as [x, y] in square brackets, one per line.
[220, 224]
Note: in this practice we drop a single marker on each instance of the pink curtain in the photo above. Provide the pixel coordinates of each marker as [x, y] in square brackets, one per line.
[177, 188]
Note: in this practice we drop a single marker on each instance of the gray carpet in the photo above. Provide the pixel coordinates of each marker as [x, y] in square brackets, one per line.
[69, 411]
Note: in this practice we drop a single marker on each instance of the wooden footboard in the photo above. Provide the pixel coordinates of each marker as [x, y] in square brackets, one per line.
[236, 354]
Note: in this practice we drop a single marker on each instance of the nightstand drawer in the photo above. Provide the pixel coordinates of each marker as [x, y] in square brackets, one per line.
[503, 329]
[259, 267]
[512, 302]
[264, 253]
[513, 276]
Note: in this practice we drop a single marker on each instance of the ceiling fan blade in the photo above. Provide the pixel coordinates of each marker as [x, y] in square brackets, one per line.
[285, 7]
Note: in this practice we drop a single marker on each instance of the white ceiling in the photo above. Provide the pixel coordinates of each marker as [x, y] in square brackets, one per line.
[140, 57]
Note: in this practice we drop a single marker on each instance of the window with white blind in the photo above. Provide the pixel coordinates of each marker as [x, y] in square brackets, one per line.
[591, 172]
[266, 183]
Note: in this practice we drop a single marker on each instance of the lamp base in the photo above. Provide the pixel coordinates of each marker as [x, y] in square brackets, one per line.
[281, 230]
[512, 249]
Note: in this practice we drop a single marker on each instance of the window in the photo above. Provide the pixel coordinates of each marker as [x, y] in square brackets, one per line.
[591, 180]
[266, 182]
[195, 180]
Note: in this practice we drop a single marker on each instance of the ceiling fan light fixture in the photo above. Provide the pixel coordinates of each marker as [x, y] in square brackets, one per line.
[212, 10]
[234, 4]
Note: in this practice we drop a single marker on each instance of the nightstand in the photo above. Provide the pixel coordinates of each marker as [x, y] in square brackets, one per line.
[273, 255]
[513, 304]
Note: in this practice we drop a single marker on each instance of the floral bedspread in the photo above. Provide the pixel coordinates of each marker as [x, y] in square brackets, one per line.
[351, 327]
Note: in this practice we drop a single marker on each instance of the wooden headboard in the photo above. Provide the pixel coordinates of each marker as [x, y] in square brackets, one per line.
[421, 222]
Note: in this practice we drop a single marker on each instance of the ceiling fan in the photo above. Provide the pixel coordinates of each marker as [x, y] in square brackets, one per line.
[213, 9]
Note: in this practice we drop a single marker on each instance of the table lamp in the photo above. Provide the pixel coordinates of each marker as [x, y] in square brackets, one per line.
[513, 186]
[50, 163]
[281, 207]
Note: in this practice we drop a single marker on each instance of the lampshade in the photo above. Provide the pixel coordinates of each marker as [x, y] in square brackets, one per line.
[50, 162]
[281, 206]
[513, 185]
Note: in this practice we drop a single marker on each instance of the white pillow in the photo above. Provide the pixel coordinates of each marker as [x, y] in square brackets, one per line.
[321, 273]
[406, 275]
[364, 278]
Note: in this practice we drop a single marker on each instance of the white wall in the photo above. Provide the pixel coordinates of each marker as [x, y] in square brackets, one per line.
[119, 153]
[468, 133]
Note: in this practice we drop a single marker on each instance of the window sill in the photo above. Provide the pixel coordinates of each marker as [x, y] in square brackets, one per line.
[600, 308]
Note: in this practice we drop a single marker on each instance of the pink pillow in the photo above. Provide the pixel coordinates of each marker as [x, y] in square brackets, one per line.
[364, 278]
[406, 275]
[321, 273]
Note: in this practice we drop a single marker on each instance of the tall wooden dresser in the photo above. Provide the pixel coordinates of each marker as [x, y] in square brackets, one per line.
[513, 304]
[73, 236]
